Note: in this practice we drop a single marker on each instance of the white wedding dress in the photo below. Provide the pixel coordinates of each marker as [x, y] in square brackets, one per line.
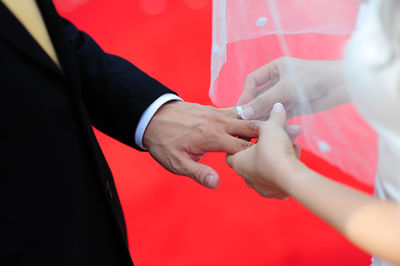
[374, 83]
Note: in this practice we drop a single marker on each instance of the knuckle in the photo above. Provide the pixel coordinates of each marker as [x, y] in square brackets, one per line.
[250, 81]
[198, 174]
[244, 145]
[201, 129]
[254, 127]
[238, 147]
[219, 119]
[177, 166]
[249, 77]
[213, 136]
[208, 130]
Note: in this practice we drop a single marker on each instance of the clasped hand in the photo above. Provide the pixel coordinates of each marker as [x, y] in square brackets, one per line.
[180, 134]
[263, 166]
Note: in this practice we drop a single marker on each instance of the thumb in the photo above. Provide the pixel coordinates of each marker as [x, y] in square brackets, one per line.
[201, 173]
[293, 131]
[278, 115]
[229, 160]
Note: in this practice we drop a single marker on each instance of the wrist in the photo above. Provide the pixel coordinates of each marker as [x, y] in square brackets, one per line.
[339, 82]
[157, 118]
[292, 175]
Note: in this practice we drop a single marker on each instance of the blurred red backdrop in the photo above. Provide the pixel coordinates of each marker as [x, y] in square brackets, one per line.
[172, 220]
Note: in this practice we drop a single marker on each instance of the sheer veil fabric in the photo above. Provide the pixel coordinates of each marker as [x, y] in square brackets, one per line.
[361, 136]
[248, 34]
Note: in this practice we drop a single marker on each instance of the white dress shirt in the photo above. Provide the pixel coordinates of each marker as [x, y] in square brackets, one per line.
[148, 115]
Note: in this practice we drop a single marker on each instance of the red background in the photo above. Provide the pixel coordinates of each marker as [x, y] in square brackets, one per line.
[172, 220]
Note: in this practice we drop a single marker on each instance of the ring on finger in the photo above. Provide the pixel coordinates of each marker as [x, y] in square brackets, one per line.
[239, 111]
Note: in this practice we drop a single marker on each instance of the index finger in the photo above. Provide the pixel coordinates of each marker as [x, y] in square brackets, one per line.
[246, 129]
[254, 80]
[230, 112]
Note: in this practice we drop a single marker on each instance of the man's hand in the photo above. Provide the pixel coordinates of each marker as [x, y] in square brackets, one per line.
[180, 133]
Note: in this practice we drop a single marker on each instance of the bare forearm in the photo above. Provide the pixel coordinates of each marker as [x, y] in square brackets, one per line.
[370, 223]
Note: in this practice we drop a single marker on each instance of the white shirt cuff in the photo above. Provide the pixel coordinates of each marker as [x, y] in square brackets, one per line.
[148, 115]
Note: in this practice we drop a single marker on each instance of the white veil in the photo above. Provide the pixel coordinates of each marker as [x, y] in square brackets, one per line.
[247, 34]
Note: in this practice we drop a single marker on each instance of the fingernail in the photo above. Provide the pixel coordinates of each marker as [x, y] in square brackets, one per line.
[248, 113]
[294, 129]
[210, 181]
[278, 108]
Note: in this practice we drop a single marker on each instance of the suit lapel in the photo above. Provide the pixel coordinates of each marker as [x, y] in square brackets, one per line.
[14, 33]
[66, 56]
[60, 41]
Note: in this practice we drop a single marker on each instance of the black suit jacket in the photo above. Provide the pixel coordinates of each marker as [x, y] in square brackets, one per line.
[58, 203]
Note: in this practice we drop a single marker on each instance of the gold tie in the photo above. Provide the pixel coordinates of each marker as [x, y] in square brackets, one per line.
[28, 13]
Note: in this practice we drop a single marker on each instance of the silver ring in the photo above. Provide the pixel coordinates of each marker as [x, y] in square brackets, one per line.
[239, 111]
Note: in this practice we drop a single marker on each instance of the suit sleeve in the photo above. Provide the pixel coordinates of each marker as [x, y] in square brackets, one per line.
[115, 92]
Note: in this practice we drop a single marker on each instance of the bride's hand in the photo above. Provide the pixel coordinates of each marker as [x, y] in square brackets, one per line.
[315, 86]
[263, 166]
